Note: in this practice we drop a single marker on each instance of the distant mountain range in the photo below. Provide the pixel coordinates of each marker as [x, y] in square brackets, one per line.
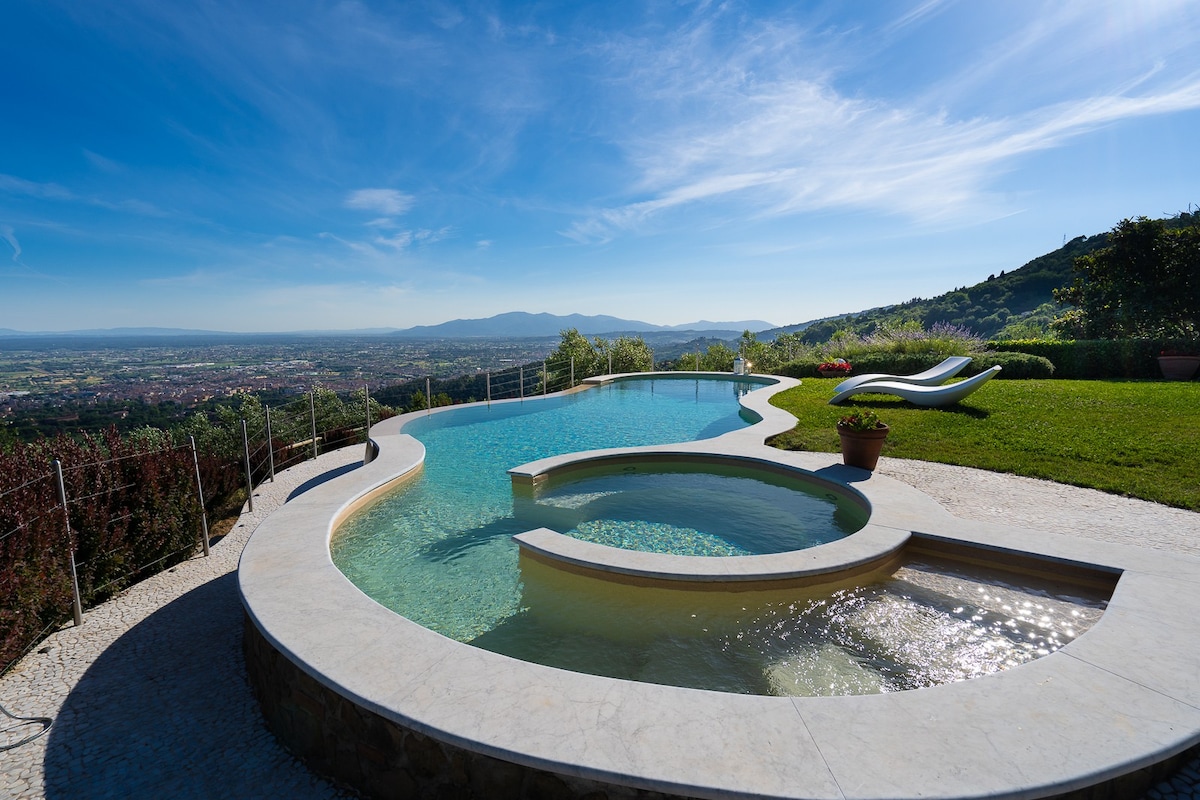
[516, 324]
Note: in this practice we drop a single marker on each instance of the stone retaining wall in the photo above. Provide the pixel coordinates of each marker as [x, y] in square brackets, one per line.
[382, 759]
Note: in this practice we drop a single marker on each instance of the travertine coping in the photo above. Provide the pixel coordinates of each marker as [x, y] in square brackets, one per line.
[1121, 697]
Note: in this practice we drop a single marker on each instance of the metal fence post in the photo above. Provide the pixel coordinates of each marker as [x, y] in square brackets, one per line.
[489, 388]
[697, 362]
[428, 398]
[610, 363]
[368, 454]
[249, 475]
[651, 361]
[572, 372]
[521, 380]
[312, 410]
[77, 605]
[545, 379]
[270, 445]
[200, 494]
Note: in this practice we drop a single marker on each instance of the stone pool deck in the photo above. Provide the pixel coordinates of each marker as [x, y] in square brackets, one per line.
[150, 697]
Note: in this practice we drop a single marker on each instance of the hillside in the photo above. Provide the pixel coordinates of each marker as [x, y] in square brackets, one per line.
[1016, 304]
[987, 308]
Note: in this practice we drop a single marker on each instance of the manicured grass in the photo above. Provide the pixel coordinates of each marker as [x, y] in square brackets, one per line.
[1135, 438]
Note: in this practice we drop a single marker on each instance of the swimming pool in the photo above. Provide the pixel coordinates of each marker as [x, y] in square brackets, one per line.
[448, 530]
[439, 551]
[338, 674]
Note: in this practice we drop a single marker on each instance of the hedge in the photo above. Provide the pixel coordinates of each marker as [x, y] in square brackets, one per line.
[1099, 359]
[1013, 365]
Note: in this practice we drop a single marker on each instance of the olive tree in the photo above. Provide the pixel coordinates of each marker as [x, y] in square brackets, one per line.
[1145, 283]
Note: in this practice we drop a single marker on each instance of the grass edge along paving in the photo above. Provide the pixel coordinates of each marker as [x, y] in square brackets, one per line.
[1134, 438]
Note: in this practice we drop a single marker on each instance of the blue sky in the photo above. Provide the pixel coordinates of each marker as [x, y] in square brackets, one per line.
[273, 166]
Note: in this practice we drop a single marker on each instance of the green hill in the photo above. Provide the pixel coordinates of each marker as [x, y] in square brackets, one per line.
[1011, 305]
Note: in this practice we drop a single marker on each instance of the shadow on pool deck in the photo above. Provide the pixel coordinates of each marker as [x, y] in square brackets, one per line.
[329, 475]
[166, 711]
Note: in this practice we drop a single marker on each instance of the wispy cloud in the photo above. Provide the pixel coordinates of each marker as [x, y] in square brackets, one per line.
[747, 136]
[47, 191]
[8, 235]
[382, 201]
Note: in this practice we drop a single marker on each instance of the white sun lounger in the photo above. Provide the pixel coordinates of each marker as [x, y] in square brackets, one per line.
[929, 396]
[930, 377]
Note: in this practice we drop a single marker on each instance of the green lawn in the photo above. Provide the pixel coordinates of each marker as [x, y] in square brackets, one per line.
[1135, 438]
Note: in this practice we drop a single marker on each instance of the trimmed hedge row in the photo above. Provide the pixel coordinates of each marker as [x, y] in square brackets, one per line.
[1013, 365]
[1099, 359]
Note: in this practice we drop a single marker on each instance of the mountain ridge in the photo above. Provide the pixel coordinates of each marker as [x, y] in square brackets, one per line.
[513, 324]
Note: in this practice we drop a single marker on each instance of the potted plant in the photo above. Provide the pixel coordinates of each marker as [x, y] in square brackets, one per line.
[862, 434]
[1177, 365]
[838, 368]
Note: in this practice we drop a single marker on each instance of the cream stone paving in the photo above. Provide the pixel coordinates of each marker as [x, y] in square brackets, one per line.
[149, 696]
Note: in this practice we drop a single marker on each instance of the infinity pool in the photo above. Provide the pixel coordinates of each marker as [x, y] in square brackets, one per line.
[438, 550]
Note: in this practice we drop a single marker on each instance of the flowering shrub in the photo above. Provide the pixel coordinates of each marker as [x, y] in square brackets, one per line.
[911, 337]
[861, 421]
[837, 365]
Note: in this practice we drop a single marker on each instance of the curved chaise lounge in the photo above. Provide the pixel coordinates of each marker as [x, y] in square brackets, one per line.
[929, 396]
[930, 377]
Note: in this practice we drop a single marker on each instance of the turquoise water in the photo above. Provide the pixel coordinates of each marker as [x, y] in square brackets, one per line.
[691, 509]
[439, 551]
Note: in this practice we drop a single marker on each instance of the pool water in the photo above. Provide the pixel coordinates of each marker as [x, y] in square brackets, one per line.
[925, 623]
[692, 510]
[439, 550]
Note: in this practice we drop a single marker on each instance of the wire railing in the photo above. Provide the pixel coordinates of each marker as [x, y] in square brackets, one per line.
[79, 532]
[75, 534]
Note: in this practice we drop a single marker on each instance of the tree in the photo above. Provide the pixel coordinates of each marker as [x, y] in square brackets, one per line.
[1144, 284]
[718, 358]
[629, 354]
[762, 356]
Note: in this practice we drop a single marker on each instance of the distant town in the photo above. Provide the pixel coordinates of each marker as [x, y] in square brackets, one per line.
[191, 370]
[73, 373]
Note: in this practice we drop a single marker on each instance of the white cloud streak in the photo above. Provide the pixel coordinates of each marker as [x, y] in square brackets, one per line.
[381, 201]
[8, 235]
[751, 136]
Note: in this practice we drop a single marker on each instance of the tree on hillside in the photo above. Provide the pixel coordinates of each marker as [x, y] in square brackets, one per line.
[1144, 284]
[590, 358]
[629, 354]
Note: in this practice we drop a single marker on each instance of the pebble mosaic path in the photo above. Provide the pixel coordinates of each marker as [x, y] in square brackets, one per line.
[149, 696]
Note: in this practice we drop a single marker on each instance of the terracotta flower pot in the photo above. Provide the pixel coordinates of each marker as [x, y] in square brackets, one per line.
[1178, 368]
[861, 448]
[833, 373]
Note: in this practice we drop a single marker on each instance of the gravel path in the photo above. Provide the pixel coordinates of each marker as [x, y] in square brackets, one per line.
[149, 696]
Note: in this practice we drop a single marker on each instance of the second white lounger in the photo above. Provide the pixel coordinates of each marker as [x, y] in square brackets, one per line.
[930, 377]
[928, 396]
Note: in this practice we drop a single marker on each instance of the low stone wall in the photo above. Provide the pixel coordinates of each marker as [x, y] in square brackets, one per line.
[380, 758]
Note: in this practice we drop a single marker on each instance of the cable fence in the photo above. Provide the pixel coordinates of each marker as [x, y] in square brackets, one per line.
[79, 532]
[109, 510]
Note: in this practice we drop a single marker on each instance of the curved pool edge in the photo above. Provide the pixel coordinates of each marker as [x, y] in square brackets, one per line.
[331, 665]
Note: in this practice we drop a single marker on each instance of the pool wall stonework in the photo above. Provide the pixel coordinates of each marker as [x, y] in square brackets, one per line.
[380, 758]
